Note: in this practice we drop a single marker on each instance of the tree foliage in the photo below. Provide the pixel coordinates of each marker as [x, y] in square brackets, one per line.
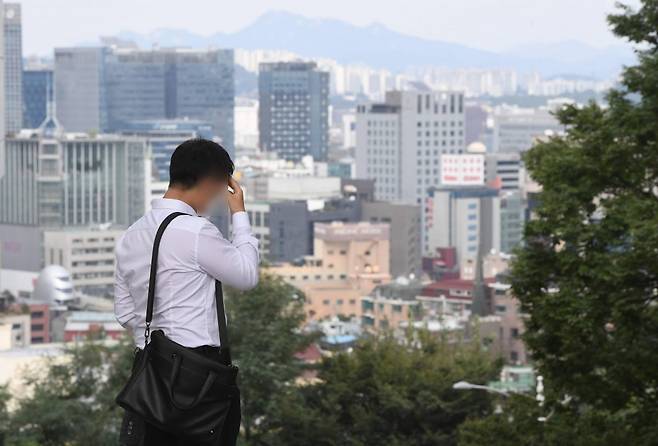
[382, 393]
[518, 424]
[386, 393]
[264, 328]
[588, 273]
[71, 402]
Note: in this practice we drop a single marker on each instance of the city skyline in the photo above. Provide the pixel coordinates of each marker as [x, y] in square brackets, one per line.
[79, 22]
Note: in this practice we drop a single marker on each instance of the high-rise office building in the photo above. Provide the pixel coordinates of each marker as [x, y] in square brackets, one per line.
[204, 89]
[13, 46]
[293, 109]
[135, 85]
[128, 84]
[516, 129]
[399, 143]
[55, 180]
[80, 90]
[464, 217]
[38, 91]
[172, 83]
[2, 99]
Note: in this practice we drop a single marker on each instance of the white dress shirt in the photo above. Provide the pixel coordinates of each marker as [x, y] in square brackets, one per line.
[193, 253]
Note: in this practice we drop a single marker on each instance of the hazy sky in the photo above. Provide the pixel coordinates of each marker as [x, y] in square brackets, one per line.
[487, 24]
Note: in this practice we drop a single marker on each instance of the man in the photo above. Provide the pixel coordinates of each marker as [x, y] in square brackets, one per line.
[193, 253]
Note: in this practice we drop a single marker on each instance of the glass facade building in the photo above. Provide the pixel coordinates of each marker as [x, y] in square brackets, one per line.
[80, 89]
[137, 85]
[294, 109]
[13, 67]
[37, 93]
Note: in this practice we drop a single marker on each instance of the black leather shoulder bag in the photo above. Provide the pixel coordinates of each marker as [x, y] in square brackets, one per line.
[176, 388]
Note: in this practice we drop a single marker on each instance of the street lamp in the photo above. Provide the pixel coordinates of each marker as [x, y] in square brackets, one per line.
[465, 385]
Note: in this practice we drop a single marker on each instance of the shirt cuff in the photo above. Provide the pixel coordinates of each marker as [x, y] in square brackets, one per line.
[240, 221]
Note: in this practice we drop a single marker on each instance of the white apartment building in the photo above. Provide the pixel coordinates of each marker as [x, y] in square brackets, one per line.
[14, 331]
[473, 81]
[88, 254]
[399, 143]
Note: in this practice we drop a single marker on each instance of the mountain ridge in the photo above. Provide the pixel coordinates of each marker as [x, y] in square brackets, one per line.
[381, 47]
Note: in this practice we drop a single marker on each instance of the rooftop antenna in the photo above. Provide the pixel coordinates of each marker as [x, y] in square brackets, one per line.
[50, 126]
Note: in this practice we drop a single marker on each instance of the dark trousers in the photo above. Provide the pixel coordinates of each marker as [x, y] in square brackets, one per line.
[137, 432]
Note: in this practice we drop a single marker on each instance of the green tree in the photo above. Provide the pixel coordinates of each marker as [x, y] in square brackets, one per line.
[4, 413]
[518, 425]
[386, 393]
[265, 332]
[72, 401]
[588, 273]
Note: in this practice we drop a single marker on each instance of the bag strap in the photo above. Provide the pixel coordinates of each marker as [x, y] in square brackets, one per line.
[221, 321]
[219, 294]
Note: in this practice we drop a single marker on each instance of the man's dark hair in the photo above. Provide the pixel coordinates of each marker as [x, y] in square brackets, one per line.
[196, 159]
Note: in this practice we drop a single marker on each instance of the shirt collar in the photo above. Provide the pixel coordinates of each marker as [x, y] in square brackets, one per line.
[173, 204]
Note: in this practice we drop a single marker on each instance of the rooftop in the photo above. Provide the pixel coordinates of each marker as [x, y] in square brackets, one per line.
[435, 289]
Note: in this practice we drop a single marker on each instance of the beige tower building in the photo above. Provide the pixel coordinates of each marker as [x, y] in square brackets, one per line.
[349, 260]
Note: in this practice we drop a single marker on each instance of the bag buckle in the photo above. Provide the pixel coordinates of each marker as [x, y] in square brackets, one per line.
[147, 333]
